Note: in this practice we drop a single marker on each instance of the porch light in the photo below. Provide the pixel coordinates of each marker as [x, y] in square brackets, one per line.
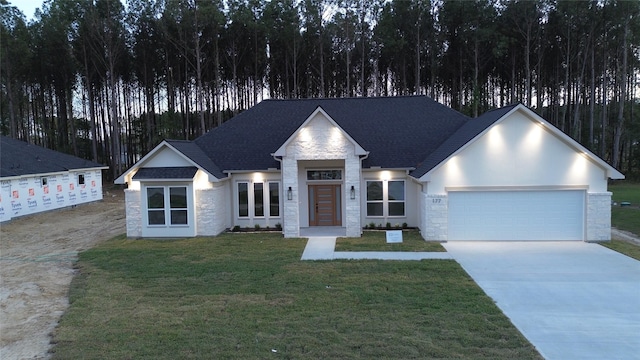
[353, 192]
[289, 194]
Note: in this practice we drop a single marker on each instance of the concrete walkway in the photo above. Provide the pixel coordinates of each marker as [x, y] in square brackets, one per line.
[323, 248]
[571, 300]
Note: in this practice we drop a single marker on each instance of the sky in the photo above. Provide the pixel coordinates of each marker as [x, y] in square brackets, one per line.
[28, 7]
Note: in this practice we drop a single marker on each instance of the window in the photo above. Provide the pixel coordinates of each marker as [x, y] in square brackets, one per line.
[274, 199]
[257, 199]
[178, 205]
[167, 200]
[258, 196]
[396, 198]
[324, 175]
[155, 205]
[374, 198]
[80, 179]
[243, 199]
[385, 198]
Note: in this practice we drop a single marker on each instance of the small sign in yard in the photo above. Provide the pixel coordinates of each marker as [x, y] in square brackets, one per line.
[394, 236]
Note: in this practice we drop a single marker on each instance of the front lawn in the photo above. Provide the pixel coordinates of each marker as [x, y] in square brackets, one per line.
[623, 247]
[628, 217]
[248, 296]
[376, 241]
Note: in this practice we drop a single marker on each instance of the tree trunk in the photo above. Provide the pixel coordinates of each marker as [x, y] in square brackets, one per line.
[617, 134]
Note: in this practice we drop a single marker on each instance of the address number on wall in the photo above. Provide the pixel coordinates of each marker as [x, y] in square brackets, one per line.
[436, 201]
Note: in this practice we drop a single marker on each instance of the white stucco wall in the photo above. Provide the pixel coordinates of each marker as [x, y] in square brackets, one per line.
[27, 195]
[518, 152]
[166, 157]
[320, 140]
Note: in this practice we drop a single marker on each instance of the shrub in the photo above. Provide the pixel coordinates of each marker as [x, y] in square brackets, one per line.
[405, 225]
[388, 225]
[236, 228]
[279, 226]
[257, 226]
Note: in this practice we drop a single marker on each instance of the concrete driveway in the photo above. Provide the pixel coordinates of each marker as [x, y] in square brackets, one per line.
[572, 300]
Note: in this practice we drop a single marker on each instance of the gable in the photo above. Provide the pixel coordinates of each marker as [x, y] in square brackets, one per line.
[320, 137]
[166, 157]
[519, 150]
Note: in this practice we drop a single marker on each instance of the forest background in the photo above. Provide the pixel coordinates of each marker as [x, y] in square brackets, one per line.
[108, 82]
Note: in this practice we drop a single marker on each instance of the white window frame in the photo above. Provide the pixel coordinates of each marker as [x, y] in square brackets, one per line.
[266, 199]
[385, 198]
[166, 192]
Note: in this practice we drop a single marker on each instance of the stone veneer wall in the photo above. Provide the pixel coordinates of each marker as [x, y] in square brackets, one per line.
[434, 222]
[291, 214]
[598, 217]
[352, 206]
[211, 211]
[320, 142]
[134, 215]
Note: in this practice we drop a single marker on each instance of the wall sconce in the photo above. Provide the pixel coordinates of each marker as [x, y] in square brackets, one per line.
[353, 192]
[289, 194]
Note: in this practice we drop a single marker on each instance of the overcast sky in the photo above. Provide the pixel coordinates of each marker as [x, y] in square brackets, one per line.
[28, 7]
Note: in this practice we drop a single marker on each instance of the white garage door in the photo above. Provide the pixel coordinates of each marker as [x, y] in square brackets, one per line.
[516, 215]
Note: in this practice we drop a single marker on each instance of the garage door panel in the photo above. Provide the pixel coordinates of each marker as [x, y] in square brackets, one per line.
[516, 215]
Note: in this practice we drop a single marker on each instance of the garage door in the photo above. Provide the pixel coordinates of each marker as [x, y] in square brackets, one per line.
[516, 215]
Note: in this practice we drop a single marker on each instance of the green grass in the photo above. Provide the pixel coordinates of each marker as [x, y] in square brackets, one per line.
[376, 241]
[626, 218]
[625, 191]
[241, 295]
[624, 247]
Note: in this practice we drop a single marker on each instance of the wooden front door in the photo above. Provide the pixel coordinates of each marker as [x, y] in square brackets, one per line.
[324, 205]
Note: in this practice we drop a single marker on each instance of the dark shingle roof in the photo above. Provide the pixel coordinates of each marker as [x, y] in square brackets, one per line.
[399, 132]
[183, 173]
[463, 135]
[19, 158]
[195, 153]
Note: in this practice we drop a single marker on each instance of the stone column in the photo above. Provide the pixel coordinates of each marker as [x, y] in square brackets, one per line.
[352, 207]
[133, 202]
[434, 222]
[598, 217]
[291, 214]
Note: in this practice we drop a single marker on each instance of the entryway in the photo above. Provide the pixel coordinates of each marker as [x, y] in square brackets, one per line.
[325, 205]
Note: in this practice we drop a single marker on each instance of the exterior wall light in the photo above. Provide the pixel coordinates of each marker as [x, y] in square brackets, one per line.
[289, 194]
[353, 192]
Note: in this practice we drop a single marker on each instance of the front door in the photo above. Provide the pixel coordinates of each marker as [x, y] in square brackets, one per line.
[324, 205]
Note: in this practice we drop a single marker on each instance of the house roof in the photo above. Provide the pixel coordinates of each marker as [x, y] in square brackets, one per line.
[398, 132]
[191, 150]
[19, 158]
[408, 132]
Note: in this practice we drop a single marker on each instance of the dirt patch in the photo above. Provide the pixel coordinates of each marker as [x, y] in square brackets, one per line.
[37, 253]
